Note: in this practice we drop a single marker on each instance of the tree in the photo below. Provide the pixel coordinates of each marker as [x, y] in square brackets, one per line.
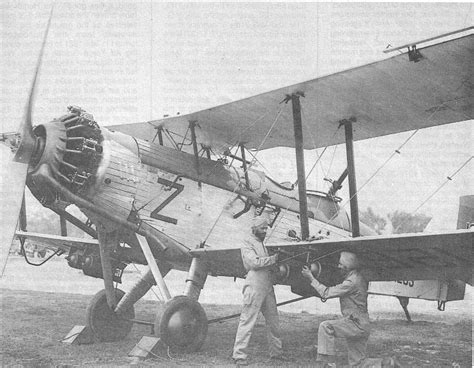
[403, 222]
[374, 221]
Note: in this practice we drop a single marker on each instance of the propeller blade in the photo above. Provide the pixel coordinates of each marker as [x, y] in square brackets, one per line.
[12, 188]
[27, 139]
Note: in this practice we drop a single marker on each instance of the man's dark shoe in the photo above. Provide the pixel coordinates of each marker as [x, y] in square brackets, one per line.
[241, 362]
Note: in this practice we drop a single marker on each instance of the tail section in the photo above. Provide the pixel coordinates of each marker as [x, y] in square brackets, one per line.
[466, 212]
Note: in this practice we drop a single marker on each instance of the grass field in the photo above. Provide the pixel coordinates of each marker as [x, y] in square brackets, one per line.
[40, 305]
[33, 324]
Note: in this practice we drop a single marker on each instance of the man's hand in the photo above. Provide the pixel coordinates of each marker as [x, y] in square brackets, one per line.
[306, 272]
[275, 257]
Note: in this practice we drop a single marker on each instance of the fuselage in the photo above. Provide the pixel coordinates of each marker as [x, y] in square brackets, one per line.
[134, 185]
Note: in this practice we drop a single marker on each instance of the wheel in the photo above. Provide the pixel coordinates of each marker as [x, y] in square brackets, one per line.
[183, 324]
[104, 323]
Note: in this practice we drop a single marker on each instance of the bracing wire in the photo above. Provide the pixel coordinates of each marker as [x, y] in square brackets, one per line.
[280, 110]
[326, 173]
[248, 127]
[152, 289]
[322, 153]
[448, 179]
[397, 151]
[248, 167]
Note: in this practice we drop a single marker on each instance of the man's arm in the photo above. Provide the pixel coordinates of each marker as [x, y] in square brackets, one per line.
[252, 261]
[333, 291]
[326, 292]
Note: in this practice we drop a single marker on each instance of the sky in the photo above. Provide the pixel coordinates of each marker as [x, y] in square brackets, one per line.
[135, 61]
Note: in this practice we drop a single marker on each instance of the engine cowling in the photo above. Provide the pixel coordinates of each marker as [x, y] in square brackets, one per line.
[68, 149]
[75, 159]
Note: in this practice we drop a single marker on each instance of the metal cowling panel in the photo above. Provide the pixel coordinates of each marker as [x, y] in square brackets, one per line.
[120, 174]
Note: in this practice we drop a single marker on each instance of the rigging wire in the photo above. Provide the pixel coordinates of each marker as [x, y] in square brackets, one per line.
[322, 153]
[448, 179]
[256, 160]
[152, 288]
[238, 140]
[397, 151]
[280, 110]
[184, 139]
[248, 168]
[325, 173]
[251, 125]
[170, 138]
[234, 155]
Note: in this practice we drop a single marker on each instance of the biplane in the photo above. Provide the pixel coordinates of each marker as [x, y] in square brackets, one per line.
[181, 192]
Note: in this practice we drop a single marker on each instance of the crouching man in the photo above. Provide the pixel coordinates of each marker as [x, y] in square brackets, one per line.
[354, 325]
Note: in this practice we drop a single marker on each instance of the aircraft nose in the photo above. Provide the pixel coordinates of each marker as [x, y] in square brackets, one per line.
[69, 150]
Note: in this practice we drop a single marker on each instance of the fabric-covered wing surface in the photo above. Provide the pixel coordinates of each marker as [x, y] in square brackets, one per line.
[386, 258]
[222, 262]
[402, 257]
[389, 96]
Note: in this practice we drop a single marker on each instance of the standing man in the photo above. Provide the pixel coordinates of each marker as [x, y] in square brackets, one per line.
[258, 295]
[354, 326]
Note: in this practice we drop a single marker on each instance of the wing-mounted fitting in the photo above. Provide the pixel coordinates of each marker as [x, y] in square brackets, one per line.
[414, 54]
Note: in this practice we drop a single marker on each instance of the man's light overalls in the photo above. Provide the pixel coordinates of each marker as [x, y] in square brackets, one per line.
[355, 324]
[258, 295]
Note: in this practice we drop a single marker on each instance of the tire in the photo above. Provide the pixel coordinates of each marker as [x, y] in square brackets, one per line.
[183, 324]
[105, 325]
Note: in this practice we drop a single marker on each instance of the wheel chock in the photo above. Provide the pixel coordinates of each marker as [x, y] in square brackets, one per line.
[148, 345]
[80, 335]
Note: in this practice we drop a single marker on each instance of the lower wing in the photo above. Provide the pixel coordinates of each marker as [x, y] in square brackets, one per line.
[420, 256]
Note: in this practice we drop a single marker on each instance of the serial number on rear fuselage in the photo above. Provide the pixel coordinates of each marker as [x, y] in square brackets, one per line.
[409, 283]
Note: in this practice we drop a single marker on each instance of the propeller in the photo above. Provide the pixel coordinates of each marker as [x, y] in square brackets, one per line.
[13, 180]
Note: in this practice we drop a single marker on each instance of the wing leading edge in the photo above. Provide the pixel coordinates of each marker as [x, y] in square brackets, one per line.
[57, 242]
[386, 97]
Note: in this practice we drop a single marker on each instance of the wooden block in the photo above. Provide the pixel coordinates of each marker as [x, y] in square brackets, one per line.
[147, 346]
[78, 335]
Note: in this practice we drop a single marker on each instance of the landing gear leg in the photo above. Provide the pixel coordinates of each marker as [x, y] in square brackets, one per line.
[108, 241]
[102, 320]
[183, 324]
[404, 303]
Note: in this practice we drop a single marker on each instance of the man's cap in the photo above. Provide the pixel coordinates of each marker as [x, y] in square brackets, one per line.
[349, 260]
[259, 221]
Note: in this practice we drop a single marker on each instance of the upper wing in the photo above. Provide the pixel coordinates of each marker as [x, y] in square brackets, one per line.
[57, 242]
[386, 97]
[386, 258]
